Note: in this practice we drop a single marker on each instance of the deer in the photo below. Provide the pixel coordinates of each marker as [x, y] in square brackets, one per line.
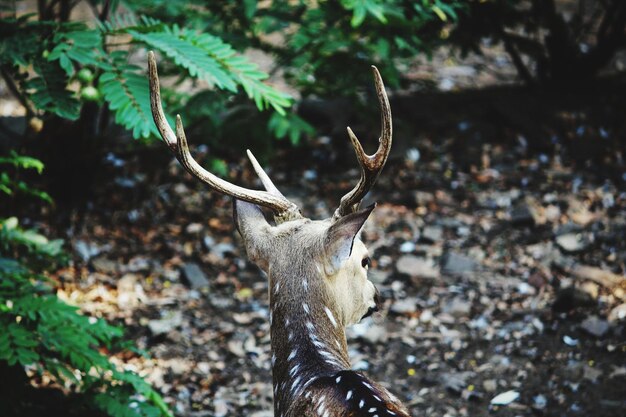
[317, 271]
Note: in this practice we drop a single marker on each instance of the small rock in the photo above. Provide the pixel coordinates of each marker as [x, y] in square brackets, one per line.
[377, 276]
[423, 198]
[540, 402]
[591, 374]
[458, 307]
[105, 265]
[221, 407]
[169, 322]
[595, 326]
[590, 288]
[263, 413]
[129, 292]
[194, 228]
[490, 385]
[569, 341]
[571, 242]
[86, 250]
[426, 316]
[456, 382]
[194, 276]
[405, 306]
[456, 264]
[523, 215]
[470, 394]
[505, 398]
[139, 263]
[618, 313]
[432, 234]
[221, 249]
[417, 267]
[407, 247]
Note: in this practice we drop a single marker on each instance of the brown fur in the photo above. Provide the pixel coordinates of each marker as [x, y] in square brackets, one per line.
[317, 286]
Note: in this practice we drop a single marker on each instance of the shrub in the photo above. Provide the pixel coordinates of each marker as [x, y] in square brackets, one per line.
[73, 64]
[40, 332]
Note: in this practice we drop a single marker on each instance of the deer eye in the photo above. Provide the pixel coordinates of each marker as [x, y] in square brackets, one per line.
[366, 262]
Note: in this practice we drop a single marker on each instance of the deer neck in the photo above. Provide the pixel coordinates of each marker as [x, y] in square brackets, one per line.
[307, 336]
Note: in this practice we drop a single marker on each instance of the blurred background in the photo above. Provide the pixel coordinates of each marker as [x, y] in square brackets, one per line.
[498, 243]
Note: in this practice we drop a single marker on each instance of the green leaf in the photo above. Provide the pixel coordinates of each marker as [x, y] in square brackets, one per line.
[49, 91]
[439, 13]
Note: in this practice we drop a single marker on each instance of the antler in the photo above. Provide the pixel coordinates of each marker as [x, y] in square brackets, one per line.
[272, 198]
[371, 165]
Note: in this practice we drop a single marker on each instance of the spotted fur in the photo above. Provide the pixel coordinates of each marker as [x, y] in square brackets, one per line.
[318, 285]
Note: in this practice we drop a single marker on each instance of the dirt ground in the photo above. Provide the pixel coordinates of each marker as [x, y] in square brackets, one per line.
[507, 279]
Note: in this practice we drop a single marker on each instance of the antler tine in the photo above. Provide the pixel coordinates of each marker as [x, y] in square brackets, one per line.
[177, 142]
[265, 179]
[371, 165]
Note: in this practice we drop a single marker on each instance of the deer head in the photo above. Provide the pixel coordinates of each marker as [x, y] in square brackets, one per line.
[317, 270]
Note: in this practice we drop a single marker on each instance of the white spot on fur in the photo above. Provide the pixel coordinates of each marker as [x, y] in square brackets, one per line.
[276, 287]
[310, 326]
[338, 379]
[293, 370]
[294, 387]
[349, 395]
[320, 409]
[368, 385]
[327, 354]
[316, 342]
[371, 410]
[305, 284]
[361, 403]
[330, 316]
[292, 354]
[305, 306]
[273, 359]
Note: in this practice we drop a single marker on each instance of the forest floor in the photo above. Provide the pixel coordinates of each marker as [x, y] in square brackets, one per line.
[504, 279]
[501, 260]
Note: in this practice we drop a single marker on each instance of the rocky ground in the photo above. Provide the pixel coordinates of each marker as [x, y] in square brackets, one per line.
[504, 285]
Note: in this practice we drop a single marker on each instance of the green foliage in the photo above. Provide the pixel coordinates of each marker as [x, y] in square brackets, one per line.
[324, 47]
[49, 93]
[127, 93]
[291, 126]
[208, 58]
[10, 185]
[40, 331]
[58, 51]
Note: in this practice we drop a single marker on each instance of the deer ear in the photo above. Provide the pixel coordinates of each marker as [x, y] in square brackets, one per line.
[340, 237]
[254, 229]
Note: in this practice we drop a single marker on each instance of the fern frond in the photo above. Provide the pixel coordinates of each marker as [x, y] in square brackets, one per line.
[186, 54]
[127, 92]
[244, 72]
[209, 58]
[49, 92]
